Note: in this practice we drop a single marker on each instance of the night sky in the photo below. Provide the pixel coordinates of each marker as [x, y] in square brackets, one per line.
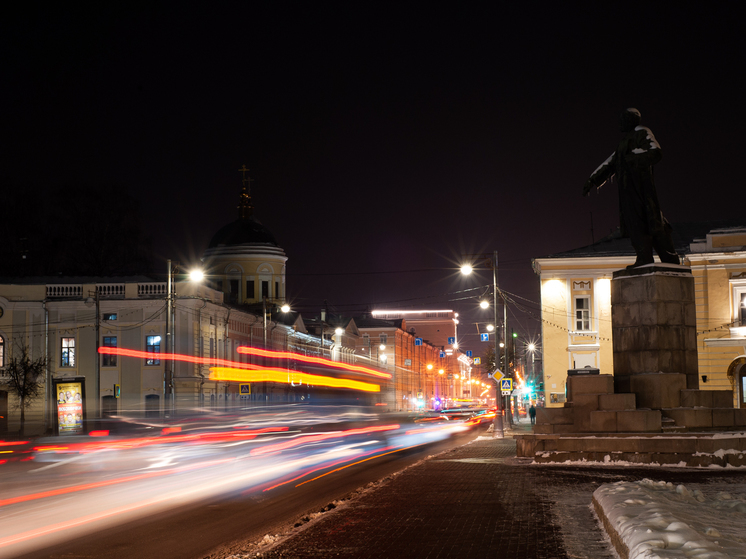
[384, 141]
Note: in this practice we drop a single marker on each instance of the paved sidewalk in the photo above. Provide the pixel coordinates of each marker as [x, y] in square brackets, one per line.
[477, 500]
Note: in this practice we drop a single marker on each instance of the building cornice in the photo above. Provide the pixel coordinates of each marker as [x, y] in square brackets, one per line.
[598, 264]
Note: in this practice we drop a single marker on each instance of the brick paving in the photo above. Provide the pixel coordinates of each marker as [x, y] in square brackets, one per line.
[477, 500]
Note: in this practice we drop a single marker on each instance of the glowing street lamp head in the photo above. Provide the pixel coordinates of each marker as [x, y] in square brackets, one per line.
[466, 269]
[196, 275]
[285, 308]
[490, 327]
[440, 372]
[429, 366]
[382, 347]
[339, 331]
[484, 304]
[531, 347]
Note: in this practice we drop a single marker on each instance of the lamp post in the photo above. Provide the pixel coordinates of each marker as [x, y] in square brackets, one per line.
[499, 431]
[195, 275]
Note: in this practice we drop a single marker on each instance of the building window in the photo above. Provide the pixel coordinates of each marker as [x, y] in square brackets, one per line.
[2, 351]
[109, 316]
[738, 291]
[68, 352]
[265, 289]
[277, 290]
[109, 360]
[250, 289]
[384, 338]
[582, 314]
[153, 346]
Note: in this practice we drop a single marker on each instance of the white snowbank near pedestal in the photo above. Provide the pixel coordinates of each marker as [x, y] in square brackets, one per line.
[658, 520]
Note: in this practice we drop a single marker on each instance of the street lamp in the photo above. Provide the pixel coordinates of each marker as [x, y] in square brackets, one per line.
[467, 269]
[195, 275]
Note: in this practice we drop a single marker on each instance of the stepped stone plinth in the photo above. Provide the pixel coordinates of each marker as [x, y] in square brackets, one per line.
[651, 410]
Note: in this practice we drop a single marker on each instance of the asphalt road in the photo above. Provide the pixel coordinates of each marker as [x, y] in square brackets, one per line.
[214, 527]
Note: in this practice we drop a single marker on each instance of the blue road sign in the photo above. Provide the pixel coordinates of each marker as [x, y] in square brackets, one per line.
[468, 353]
[506, 384]
[451, 340]
[244, 388]
[484, 337]
[418, 341]
[442, 354]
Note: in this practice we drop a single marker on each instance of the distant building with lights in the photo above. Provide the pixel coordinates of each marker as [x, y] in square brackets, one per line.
[576, 306]
[417, 345]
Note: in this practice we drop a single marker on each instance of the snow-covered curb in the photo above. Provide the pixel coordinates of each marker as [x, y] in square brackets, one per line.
[658, 520]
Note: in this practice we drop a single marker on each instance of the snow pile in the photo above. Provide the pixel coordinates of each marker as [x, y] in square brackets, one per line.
[658, 520]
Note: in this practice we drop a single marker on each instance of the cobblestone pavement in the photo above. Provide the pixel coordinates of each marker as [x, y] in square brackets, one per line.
[477, 500]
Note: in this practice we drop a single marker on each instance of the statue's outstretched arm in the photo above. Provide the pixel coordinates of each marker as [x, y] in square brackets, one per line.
[604, 172]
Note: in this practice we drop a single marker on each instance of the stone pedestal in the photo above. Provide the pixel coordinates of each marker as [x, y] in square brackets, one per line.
[653, 318]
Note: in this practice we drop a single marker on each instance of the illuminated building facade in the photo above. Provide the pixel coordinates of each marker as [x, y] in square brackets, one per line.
[576, 306]
[428, 371]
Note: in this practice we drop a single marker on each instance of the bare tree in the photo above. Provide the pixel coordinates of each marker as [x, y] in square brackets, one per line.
[25, 379]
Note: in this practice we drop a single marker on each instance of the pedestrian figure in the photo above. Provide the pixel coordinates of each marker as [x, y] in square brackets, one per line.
[641, 217]
[532, 414]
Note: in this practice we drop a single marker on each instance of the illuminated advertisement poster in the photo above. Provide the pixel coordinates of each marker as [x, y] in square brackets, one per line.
[70, 411]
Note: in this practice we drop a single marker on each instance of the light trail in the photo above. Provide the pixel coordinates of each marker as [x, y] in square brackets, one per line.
[303, 439]
[312, 470]
[306, 359]
[360, 462]
[286, 377]
[100, 444]
[175, 357]
[258, 373]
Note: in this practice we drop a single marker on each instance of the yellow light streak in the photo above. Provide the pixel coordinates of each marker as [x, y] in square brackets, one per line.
[278, 375]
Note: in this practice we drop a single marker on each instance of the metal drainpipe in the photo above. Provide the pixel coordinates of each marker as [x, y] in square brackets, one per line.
[47, 373]
[225, 352]
[201, 347]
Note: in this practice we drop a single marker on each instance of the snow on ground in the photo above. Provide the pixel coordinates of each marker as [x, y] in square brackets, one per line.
[659, 520]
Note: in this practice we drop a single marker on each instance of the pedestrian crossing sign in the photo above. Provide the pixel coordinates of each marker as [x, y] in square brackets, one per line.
[506, 384]
[477, 360]
[244, 388]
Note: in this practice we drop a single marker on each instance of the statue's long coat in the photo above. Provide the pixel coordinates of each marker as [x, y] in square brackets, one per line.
[632, 163]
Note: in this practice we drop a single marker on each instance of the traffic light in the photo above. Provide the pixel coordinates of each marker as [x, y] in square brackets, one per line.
[515, 334]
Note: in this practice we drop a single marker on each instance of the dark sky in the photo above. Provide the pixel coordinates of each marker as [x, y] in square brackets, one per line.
[379, 139]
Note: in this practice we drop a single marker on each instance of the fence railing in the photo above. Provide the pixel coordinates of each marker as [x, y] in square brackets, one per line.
[152, 289]
[106, 290]
[64, 291]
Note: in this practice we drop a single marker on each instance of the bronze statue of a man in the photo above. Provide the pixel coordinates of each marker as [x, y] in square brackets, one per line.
[641, 218]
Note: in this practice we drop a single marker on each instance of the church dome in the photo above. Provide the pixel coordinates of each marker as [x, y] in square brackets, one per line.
[246, 230]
